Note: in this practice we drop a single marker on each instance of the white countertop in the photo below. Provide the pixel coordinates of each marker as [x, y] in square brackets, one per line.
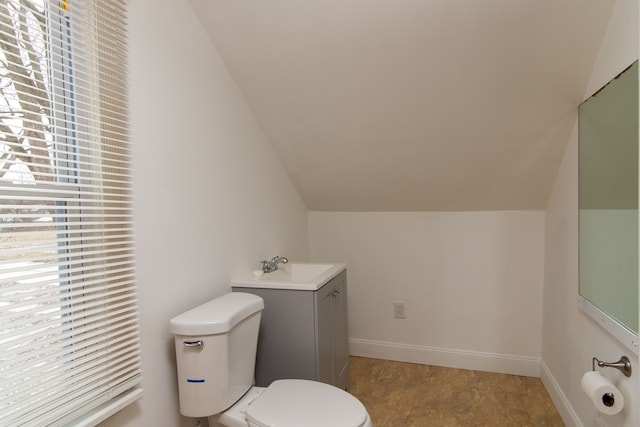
[304, 276]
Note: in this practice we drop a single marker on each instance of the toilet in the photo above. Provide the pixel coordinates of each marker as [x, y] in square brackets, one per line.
[216, 345]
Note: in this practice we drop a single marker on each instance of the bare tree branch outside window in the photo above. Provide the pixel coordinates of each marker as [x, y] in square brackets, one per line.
[26, 138]
[25, 105]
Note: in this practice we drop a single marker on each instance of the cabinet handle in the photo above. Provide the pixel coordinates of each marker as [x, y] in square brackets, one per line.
[336, 293]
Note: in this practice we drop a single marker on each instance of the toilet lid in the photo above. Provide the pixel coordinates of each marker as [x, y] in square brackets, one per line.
[296, 403]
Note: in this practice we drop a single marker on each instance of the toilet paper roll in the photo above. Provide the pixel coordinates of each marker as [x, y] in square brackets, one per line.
[604, 395]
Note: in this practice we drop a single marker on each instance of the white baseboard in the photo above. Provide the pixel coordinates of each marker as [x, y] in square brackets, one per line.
[558, 397]
[463, 359]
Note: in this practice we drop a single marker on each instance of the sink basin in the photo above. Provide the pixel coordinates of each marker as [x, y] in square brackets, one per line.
[306, 276]
[298, 272]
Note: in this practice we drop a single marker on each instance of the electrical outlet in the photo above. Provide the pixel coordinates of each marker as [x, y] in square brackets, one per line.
[400, 310]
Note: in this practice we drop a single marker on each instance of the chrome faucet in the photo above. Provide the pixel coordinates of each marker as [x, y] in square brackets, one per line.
[271, 266]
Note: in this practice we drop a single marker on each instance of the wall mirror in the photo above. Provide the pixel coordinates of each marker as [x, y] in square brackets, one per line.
[608, 206]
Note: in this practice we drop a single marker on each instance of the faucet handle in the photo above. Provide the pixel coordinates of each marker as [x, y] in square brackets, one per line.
[271, 266]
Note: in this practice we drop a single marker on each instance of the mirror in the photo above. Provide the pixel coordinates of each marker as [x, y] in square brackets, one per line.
[608, 206]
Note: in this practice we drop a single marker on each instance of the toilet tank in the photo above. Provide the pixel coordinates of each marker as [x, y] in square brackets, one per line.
[216, 352]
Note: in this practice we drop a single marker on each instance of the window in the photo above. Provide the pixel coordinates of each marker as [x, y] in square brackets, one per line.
[69, 345]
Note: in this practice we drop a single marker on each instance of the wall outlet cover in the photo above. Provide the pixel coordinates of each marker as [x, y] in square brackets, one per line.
[400, 310]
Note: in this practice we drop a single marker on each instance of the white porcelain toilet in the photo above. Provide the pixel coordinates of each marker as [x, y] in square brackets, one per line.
[216, 346]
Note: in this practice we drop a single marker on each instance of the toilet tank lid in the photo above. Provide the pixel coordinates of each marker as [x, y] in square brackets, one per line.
[216, 316]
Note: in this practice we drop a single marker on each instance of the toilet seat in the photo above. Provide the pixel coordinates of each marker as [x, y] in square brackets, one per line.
[295, 403]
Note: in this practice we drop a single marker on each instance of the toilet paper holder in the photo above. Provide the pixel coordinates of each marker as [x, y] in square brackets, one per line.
[623, 365]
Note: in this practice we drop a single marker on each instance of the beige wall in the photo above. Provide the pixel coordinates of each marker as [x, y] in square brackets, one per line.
[211, 198]
[570, 338]
[472, 281]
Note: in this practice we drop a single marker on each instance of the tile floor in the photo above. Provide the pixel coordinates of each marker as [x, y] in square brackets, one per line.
[398, 394]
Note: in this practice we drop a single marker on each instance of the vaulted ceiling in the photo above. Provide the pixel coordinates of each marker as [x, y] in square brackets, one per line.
[413, 105]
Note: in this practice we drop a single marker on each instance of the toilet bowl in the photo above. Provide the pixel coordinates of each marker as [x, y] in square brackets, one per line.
[216, 346]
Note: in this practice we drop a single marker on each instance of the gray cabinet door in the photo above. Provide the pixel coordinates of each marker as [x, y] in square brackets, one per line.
[286, 343]
[340, 335]
[333, 332]
[324, 333]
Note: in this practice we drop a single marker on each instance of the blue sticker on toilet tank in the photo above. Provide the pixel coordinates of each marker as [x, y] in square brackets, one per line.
[189, 380]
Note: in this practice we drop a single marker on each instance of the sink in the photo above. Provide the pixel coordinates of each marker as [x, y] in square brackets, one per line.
[306, 276]
[298, 272]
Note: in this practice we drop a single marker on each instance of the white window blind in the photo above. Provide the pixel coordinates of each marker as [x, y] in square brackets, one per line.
[69, 344]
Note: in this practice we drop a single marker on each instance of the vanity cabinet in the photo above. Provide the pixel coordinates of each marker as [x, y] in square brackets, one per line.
[304, 334]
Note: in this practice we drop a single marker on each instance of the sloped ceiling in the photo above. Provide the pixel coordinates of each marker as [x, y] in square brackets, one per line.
[413, 105]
